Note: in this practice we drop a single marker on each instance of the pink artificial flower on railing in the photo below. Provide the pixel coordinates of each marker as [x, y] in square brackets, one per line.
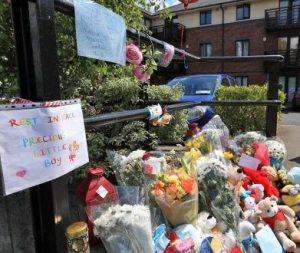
[140, 74]
[168, 55]
[133, 54]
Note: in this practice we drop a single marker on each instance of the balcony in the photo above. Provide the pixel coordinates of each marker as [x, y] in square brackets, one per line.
[283, 18]
[291, 57]
[170, 32]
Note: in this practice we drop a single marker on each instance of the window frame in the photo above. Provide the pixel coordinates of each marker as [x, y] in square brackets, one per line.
[242, 78]
[205, 17]
[243, 41]
[205, 44]
[243, 6]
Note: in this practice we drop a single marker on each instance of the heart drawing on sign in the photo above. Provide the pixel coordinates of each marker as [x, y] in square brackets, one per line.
[21, 173]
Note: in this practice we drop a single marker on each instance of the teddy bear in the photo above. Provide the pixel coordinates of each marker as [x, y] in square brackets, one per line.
[279, 218]
[272, 174]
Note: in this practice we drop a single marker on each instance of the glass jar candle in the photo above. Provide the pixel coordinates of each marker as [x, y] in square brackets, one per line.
[78, 238]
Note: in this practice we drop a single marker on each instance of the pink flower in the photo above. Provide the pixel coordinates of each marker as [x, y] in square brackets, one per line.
[133, 54]
[168, 56]
[148, 168]
[140, 74]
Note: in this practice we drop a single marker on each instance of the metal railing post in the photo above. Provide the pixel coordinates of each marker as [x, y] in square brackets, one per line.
[34, 29]
[271, 112]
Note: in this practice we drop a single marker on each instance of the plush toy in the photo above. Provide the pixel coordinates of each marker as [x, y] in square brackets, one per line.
[246, 230]
[294, 175]
[283, 177]
[279, 218]
[290, 195]
[272, 174]
[250, 207]
[259, 177]
[207, 224]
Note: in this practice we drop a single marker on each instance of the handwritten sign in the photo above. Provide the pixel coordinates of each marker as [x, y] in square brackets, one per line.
[41, 144]
[100, 33]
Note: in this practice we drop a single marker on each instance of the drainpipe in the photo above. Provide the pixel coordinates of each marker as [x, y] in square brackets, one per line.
[223, 35]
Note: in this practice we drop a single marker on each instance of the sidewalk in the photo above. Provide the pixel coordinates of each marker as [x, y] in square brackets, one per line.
[291, 137]
[289, 132]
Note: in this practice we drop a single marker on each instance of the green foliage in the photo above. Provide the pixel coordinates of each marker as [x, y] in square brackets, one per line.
[244, 118]
[8, 71]
[178, 126]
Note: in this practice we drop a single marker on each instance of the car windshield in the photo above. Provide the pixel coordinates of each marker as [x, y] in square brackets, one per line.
[196, 85]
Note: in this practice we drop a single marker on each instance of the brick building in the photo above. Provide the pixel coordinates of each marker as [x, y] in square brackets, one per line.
[235, 27]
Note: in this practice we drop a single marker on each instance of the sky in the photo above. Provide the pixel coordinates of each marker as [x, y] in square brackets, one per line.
[172, 2]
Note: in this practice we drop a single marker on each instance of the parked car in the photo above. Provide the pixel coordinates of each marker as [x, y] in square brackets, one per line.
[296, 100]
[201, 87]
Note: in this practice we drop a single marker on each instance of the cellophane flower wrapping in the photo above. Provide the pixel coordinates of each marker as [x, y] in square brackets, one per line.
[248, 138]
[277, 152]
[123, 227]
[217, 123]
[176, 194]
[216, 195]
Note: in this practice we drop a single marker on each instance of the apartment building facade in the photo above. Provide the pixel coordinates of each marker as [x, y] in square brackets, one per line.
[236, 28]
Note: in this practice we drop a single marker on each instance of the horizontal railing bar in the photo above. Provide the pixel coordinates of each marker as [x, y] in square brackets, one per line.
[223, 103]
[140, 114]
[67, 7]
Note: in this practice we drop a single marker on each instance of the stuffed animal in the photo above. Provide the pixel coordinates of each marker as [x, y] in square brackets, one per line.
[246, 230]
[279, 218]
[283, 177]
[250, 207]
[290, 195]
[259, 177]
[294, 175]
[272, 174]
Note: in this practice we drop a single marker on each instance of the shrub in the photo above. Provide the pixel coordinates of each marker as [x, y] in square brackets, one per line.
[244, 118]
[178, 126]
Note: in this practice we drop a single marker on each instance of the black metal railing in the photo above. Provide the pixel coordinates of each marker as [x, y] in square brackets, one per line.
[279, 18]
[291, 57]
[170, 32]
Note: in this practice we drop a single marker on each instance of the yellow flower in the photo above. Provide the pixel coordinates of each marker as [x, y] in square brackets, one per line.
[193, 155]
[228, 155]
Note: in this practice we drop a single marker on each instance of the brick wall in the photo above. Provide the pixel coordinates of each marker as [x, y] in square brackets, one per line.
[253, 30]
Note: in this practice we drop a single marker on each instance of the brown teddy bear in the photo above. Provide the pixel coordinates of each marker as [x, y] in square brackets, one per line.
[280, 219]
[271, 174]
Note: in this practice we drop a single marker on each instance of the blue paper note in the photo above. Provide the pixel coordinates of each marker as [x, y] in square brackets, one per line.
[100, 33]
[267, 241]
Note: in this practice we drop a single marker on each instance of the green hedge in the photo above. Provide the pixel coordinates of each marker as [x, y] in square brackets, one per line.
[244, 118]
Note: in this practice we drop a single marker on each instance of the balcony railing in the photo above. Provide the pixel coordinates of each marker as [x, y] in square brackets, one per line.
[170, 32]
[291, 57]
[287, 17]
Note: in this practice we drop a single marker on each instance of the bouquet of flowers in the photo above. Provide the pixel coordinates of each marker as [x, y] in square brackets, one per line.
[216, 193]
[249, 138]
[136, 168]
[176, 194]
[123, 227]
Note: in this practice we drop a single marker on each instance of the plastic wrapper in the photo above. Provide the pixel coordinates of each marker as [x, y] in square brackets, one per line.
[200, 115]
[248, 138]
[277, 152]
[217, 123]
[123, 227]
[176, 194]
[216, 194]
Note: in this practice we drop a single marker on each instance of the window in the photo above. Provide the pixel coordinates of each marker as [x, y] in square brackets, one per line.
[205, 49]
[147, 22]
[243, 12]
[205, 17]
[242, 48]
[242, 80]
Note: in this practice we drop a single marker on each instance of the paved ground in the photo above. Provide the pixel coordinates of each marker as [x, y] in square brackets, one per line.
[289, 132]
